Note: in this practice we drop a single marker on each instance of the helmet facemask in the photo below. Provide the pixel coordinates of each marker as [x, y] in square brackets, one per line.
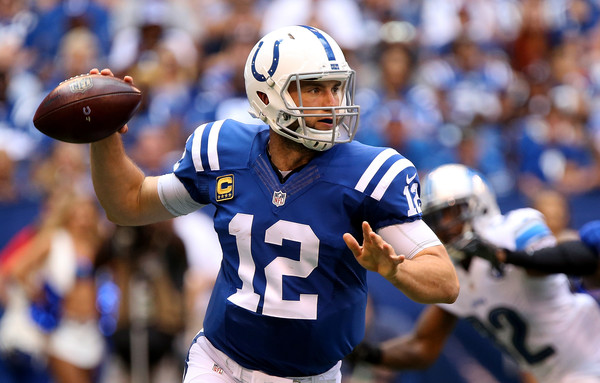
[452, 224]
[291, 120]
[456, 200]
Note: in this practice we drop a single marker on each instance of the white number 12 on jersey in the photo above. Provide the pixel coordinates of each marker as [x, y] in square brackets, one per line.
[274, 304]
[412, 198]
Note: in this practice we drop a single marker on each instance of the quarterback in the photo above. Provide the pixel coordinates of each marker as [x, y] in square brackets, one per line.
[302, 213]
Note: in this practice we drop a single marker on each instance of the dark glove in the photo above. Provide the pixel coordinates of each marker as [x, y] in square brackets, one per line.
[365, 353]
[471, 245]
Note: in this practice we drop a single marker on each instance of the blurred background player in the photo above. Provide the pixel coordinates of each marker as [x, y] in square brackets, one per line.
[533, 317]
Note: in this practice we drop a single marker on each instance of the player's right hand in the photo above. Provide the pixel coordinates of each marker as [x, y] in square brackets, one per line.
[108, 72]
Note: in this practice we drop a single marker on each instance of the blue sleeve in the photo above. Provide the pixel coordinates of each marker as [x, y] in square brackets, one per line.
[212, 149]
[392, 193]
[189, 171]
[590, 235]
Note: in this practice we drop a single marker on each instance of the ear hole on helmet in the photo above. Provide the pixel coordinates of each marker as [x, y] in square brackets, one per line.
[263, 97]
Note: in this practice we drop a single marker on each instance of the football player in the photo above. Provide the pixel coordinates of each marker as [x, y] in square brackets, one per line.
[302, 212]
[551, 332]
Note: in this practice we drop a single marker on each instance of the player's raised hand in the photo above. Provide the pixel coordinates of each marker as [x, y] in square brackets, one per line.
[375, 254]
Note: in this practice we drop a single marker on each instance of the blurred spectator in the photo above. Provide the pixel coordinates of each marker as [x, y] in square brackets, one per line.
[54, 296]
[147, 265]
[141, 26]
[78, 51]
[8, 188]
[221, 88]
[204, 257]
[18, 208]
[340, 18]
[469, 81]
[65, 167]
[227, 20]
[555, 153]
[151, 150]
[55, 19]
[556, 210]
[531, 44]
[568, 18]
[162, 56]
[490, 23]
[398, 112]
[167, 81]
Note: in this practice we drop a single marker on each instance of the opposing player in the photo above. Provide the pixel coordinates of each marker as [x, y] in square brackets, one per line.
[551, 332]
[293, 199]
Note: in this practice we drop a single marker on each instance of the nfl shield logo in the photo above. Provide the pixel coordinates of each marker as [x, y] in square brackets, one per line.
[278, 198]
[81, 85]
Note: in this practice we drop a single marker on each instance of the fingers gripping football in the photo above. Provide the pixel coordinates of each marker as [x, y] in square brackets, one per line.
[88, 108]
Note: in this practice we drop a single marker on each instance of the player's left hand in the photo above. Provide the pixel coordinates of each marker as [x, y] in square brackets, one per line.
[375, 254]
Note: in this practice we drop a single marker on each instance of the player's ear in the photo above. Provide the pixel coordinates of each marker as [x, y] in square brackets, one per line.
[263, 97]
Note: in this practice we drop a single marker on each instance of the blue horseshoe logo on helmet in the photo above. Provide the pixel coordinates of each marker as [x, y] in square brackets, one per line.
[274, 63]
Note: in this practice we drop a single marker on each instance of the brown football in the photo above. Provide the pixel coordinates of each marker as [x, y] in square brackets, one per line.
[87, 108]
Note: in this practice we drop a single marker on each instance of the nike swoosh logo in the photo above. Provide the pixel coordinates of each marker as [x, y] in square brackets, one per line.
[410, 179]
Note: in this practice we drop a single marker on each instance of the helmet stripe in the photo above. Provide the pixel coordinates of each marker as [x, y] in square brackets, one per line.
[323, 40]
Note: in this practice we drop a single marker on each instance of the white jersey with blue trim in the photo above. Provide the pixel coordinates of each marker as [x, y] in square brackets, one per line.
[290, 297]
[550, 331]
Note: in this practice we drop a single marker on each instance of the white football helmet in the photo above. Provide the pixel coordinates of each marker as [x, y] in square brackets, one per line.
[282, 59]
[455, 186]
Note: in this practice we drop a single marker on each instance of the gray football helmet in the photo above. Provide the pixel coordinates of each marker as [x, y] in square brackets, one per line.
[456, 198]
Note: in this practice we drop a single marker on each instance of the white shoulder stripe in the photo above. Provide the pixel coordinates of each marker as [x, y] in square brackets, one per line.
[196, 143]
[389, 176]
[368, 175]
[213, 139]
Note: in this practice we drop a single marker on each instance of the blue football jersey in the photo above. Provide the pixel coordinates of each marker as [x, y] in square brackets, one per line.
[290, 297]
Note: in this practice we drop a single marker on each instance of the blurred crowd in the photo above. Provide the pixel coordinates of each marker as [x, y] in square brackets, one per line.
[508, 87]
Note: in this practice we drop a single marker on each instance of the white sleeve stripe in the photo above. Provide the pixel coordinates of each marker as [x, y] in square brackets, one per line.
[213, 139]
[368, 175]
[196, 146]
[175, 197]
[389, 176]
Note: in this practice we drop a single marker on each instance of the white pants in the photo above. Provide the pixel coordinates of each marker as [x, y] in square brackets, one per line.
[206, 364]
